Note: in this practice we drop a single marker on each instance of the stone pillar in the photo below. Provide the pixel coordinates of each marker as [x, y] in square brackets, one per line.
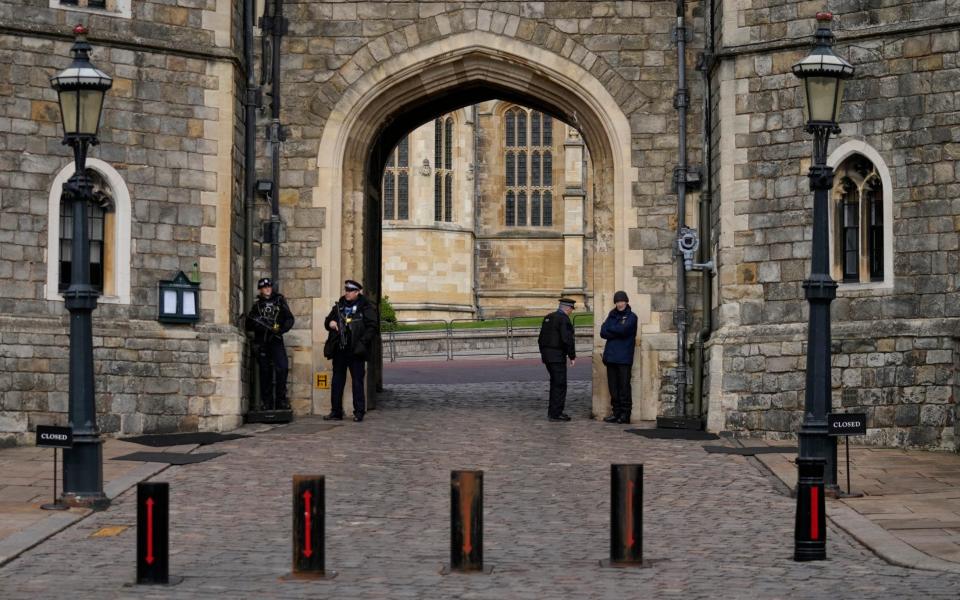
[574, 197]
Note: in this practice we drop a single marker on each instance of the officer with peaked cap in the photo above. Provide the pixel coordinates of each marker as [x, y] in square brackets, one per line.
[352, 324]
[269, 318]
[557, 343]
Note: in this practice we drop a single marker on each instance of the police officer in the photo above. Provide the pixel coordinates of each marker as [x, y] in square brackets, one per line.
[557, 343]
[620, 331]
[352, 324]
[269, 318]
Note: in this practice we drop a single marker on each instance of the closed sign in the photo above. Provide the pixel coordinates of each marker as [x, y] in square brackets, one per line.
[847, 424]
[50, 436]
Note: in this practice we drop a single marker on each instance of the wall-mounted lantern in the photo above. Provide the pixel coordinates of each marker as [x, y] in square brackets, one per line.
[179, 300]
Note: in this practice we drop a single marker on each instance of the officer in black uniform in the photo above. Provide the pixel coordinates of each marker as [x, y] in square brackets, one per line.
[353, 325]
[269, 319]
[557, 343]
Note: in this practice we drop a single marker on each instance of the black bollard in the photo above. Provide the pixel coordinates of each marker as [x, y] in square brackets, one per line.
[810, 533]
[153, 537]
[466, 520]
[626, 515]
[309, 507]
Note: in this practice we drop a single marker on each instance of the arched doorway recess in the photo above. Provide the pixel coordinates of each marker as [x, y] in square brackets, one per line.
[389, 99]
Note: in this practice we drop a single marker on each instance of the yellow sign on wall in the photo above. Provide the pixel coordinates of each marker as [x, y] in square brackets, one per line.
[321, 381]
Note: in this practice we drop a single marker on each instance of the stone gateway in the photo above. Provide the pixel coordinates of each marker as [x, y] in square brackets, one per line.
[355, 78]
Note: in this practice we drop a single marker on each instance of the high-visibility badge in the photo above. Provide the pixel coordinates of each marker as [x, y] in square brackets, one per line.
[321, 380]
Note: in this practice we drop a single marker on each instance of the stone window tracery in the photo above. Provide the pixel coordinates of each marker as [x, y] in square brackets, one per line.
[528, 168]
[396, 183]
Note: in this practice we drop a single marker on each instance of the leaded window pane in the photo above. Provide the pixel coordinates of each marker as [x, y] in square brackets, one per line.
[388, 191]
[448, 144]
[438, 197]
[437, 144]
[448, 198]
[403, 151]
[403, 198]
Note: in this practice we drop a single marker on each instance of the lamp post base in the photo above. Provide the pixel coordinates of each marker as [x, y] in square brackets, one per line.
[93, 501]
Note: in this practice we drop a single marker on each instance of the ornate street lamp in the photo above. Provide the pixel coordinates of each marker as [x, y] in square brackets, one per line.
[80, 91]
[822, 74]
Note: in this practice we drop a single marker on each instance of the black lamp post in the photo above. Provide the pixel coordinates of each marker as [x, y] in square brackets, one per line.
[80, 90]
[822, 74]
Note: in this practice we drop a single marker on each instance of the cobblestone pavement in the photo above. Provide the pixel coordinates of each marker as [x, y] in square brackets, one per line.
[716, 526]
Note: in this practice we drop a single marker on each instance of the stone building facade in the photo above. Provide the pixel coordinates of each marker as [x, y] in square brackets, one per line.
[486, 213]
[358, 75]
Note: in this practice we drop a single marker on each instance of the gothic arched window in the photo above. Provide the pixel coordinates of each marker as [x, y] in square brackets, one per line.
[528, 168]
[859, 217]
[100, 243]
[443, 169]
[396, 187]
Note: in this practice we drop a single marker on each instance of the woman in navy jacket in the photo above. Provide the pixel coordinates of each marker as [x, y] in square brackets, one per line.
[620, 331]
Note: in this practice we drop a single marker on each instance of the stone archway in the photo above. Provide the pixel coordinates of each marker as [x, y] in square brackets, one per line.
[382, 103]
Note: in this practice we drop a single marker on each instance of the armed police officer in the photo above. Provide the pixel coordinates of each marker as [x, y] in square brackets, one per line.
[352, 324]
[269, 318]
[557, 343]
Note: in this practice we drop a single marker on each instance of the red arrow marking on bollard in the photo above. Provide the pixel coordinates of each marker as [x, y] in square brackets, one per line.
[149, 556]
[630, 539]
[307, 551]
[814, 513]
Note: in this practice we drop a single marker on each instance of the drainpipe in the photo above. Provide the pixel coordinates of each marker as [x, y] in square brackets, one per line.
[276, 25]
[681, 101]
[705, 65]
[251, 101]
[476, 212]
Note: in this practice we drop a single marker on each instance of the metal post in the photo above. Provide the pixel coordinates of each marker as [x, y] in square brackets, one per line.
[810, 530]
[466, 520]
[626, 515]
[309, 510]
[820, 290]
[153, 532]
[83, 463]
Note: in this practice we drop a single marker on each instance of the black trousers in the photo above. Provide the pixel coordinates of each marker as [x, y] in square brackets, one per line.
[558, 387]
[273, 365]
[618, 381]
[357, 372]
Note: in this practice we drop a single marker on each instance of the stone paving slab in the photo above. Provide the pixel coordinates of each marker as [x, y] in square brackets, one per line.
[911, 511]
[715, 525]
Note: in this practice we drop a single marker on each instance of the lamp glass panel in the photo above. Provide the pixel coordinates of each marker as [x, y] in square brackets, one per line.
[68, 110]
[168, 304]
[189, 303]
[90, 103]
[822, 98]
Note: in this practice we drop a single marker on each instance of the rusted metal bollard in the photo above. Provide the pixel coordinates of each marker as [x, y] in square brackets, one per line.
[309, 508]
[626, 515]
[153, 537]
[810, 533]
[466, 520]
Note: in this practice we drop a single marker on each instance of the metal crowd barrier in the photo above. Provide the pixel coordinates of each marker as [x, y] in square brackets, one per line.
[447, 333]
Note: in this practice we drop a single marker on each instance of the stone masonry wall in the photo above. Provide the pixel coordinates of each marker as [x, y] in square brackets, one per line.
[169, 129]
[893, 350]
